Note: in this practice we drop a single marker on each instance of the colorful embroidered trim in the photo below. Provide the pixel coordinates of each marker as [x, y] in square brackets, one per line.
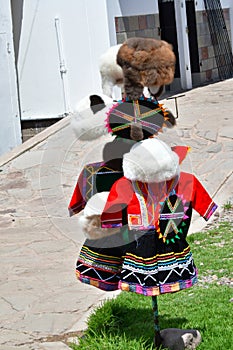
[143, 208]
[175, 217]
[148, 202]
[105, 225]
[106, 286]
[162, 289]
[90, 172]
[211, 209]
[101, 261]
[160, 261]
[125, 112]
[169, 216]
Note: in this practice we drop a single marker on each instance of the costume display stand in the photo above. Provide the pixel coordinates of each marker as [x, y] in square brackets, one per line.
[157, 337]
[144, 194]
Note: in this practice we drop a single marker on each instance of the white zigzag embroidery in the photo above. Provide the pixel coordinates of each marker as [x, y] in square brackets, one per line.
[100, 277]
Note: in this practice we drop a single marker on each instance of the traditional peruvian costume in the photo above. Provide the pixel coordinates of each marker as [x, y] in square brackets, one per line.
[152, 207]
[137, 213]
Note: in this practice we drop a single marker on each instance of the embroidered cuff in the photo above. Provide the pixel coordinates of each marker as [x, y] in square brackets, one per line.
[211, 209]
[111, 225]
[76, 208]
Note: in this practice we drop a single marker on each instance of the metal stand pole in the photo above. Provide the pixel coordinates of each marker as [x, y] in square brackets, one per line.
[157, 338]
[176, 104]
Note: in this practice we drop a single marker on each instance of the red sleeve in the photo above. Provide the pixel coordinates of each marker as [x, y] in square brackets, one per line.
[181, 151]
[119, 197]
[201, 201]
[77, 202]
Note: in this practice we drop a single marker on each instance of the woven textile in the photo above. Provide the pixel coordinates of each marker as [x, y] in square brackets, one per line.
[158, 260]
[94, 178]
[132, 267]
[147, 112]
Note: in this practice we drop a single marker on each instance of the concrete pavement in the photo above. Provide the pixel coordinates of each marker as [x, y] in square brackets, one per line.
[39, 243]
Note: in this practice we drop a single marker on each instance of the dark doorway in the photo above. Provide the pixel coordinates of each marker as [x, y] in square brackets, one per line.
[168, 28]
[192, 36]
[169, 33]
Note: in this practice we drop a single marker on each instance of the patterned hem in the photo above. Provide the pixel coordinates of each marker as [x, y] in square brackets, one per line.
[136, 288]
[106, 286]
[157, 290]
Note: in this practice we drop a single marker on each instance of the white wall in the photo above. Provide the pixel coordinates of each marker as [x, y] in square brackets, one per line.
[84, 36]
[87, 30]
[10, 131]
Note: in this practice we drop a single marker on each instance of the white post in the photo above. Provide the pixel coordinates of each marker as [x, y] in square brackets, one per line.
[183, 44]
[10, 131]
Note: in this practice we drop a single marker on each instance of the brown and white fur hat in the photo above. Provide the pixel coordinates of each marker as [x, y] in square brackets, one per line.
[146, 62]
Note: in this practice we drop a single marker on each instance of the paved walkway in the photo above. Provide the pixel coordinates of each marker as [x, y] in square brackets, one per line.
[39, 294]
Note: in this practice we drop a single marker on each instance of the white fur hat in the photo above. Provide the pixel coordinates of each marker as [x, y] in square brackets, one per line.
[90, 219]
[149, 161]
[88, 125]
[96, 203]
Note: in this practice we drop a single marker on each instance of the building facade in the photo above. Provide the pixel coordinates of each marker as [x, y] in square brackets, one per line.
[200, 41]
[51, 50]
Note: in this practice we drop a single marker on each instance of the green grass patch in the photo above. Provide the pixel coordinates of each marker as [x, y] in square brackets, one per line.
[127, 321]
[228, 205]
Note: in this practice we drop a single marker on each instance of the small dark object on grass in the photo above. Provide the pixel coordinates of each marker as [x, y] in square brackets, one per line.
[179, 339]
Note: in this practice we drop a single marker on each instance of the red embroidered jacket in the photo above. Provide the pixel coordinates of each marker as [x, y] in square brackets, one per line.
[97, 177]
[144, 202]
